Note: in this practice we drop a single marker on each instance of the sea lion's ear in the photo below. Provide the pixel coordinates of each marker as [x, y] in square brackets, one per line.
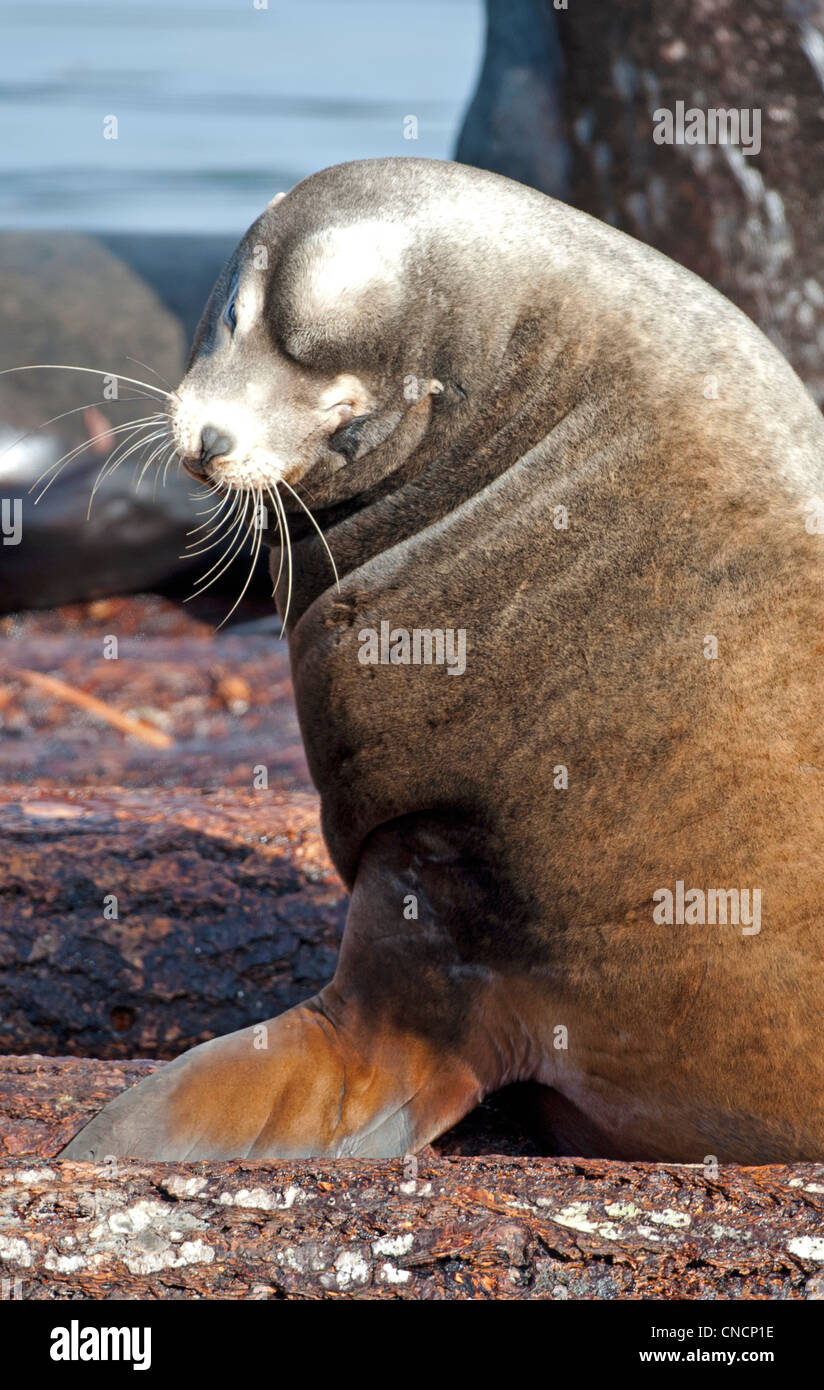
[347, 397]
[273, 202]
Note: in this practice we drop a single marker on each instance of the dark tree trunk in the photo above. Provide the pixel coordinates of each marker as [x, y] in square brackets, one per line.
[751, 224]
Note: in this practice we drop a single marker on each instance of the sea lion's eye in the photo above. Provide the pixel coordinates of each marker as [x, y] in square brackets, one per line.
[230, 314]
[347, 438]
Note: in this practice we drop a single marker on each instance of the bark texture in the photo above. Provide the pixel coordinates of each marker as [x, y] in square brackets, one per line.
[227, 907]
[442, 1226]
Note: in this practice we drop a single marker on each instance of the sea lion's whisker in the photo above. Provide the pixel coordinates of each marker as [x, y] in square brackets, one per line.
[227, 531]
[285, 536]
[75, 410]
[309, 494]
[220, 532]
[204, 550]
[108, 468]
[193, 547]
[242, 530]
[172, 455]
[156, 457]
[102, 434]
[147, 465]
[199, 496]
[127, 446]
[57, 468]
[154, 370]
[257, 522]
[209, 512]
[317, 528]
[236, 517]
[64, 367]
[213, 522]
[160, 471]
[96, 371]
[280, 547]
[130, 443]
[166, 466]
[154, 483]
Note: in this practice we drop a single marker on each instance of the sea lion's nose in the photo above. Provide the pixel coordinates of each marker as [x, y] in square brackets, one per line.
[213, 444]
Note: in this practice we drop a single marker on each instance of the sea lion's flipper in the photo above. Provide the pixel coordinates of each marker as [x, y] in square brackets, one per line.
[412, 1032]
[308, 1083]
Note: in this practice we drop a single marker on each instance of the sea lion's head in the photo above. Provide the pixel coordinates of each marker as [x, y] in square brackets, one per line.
[324, 349]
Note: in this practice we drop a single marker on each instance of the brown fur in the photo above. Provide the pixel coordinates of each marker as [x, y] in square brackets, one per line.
[574, 364]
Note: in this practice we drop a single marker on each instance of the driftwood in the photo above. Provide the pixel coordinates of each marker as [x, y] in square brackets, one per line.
[434, 1227]
[228, 912]
[126, 724]
[227, 909]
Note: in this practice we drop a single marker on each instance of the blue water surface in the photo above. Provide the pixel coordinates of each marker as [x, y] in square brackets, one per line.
[218, 103]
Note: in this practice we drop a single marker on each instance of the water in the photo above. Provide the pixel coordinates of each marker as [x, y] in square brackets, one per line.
[218, 104]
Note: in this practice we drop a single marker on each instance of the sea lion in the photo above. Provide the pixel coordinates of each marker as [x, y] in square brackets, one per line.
[591, 858]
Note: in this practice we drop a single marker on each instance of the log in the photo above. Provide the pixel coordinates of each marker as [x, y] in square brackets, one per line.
[126, 724]
[227, 908]
[228, 911]
[435, 1227]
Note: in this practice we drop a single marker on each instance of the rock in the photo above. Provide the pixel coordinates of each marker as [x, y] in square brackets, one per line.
[98, 302]
[514, 124]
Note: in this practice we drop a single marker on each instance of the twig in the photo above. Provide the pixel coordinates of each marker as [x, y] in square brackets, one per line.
[138, 728]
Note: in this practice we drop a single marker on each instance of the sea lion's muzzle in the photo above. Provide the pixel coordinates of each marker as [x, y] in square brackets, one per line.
[214, 445]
